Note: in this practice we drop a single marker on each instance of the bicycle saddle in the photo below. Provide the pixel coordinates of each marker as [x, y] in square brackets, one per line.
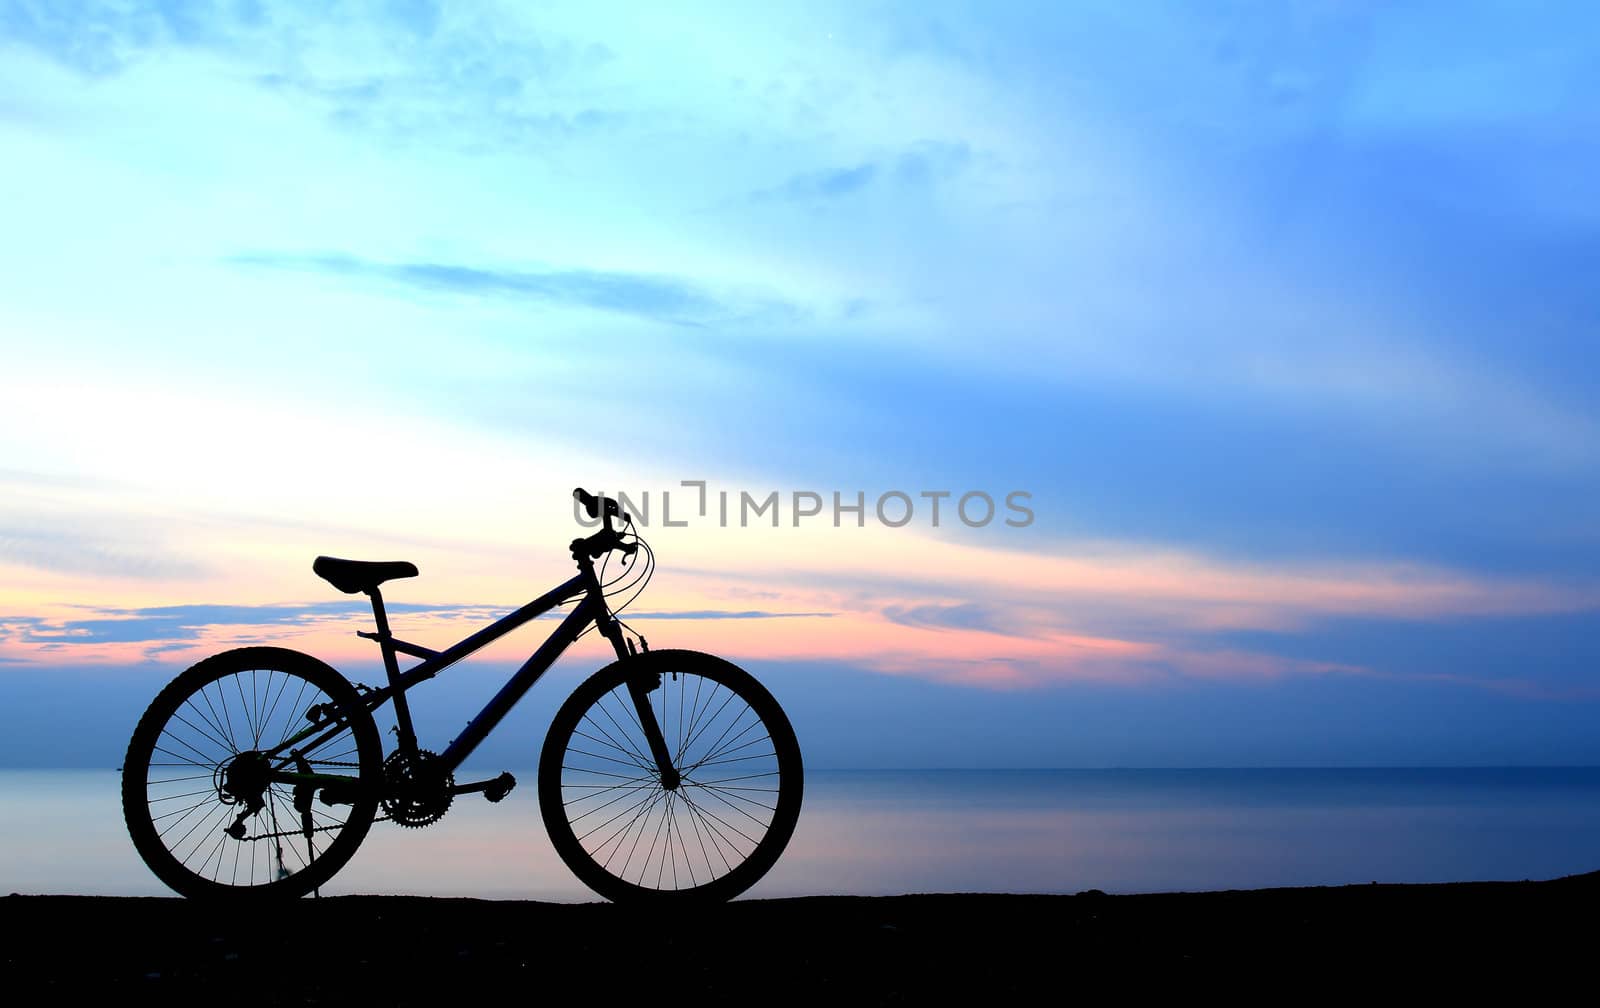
[351, 576]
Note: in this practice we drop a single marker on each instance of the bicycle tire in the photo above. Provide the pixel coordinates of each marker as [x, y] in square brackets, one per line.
[178, 806]
[600, 794]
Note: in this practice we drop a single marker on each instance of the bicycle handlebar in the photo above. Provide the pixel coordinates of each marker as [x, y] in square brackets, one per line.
[607, 538]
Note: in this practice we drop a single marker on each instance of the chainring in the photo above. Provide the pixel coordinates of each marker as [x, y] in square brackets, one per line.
[417, 791]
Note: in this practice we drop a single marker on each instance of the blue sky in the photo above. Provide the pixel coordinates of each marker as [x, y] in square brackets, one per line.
[1281, 312]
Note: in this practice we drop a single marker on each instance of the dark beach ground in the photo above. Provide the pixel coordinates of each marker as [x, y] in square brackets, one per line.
[358, 950]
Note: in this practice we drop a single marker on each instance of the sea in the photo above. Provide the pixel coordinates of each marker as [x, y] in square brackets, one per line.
[878, 832]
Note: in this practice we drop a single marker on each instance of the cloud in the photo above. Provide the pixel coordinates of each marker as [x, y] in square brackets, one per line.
[720, 614]
[822, 185]
[930, 161]
[1122, 663]
[1128, 616]
[1130, 588]
[100, 39]
[167, 624]
[465, 78]
[923, 164]
[170, 625]
[83, 552]
[960, 616]
[650, 296]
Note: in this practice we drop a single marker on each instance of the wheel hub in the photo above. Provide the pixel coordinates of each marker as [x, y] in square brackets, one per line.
[244, 778]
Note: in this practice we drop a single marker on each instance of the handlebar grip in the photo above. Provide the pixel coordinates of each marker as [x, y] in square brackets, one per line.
[596, 506]
[588, 501]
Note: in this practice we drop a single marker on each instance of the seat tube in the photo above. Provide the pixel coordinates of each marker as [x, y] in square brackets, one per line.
[391, 666]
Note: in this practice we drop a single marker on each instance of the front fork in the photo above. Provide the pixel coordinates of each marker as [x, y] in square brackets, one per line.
[640, 687]
[640, 690]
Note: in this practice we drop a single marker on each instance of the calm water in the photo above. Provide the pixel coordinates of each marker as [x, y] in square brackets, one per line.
[873, 832]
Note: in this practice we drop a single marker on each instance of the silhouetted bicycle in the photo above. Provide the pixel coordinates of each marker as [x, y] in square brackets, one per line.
[667, 775]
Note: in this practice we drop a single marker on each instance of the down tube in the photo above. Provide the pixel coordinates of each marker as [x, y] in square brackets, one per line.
[536, 665]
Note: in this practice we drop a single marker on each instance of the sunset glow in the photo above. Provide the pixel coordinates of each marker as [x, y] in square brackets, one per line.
[1282, 323]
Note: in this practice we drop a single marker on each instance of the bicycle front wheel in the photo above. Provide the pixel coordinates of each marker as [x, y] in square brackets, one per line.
[630, 838]
[215, 812]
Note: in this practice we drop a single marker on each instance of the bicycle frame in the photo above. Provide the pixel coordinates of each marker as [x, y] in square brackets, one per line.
[591, 608]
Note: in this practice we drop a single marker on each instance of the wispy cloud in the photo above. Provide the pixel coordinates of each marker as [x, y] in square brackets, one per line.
[170, 626]
[957, 616]
[922, 164]
[1065, 660]
[822, 185]
[100, 39]
[1120, 588]
[1123, 615]
[659, 298]
[721, 614]
[466, 79]
[84, 552]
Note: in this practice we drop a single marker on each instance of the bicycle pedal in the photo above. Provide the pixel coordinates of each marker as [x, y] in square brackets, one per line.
[500, 787]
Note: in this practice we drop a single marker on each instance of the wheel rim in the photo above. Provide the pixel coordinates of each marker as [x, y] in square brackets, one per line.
[205, 768]
[718, 822]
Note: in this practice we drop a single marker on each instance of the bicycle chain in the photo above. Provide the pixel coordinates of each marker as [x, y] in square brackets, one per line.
[326, 829]
[317, 829]
[301, 832]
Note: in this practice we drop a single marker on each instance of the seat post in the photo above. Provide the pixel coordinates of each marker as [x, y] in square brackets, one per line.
[380, 616]
[402, 711]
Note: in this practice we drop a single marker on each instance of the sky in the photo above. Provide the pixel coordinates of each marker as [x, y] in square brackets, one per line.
[1277, 318]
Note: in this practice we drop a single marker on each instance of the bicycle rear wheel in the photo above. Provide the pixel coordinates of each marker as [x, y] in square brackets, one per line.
[628, 837]
[207, 809]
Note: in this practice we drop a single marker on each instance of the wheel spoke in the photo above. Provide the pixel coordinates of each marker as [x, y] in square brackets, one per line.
[726, 744]
[224, 720]
[629, 792]
[636, 758]
[213, 735]
[709, 721]
[645, 801]
[747, 815]
[643, 818]
[666, 818]
[244, 713]
[273, 709]
[298, 707]
[719, 791]
[600, 705]
[694, 716]
[717, 745]
[713, 822]
[610, 759]
[203, 761]
[728, 758]
[724, 780]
